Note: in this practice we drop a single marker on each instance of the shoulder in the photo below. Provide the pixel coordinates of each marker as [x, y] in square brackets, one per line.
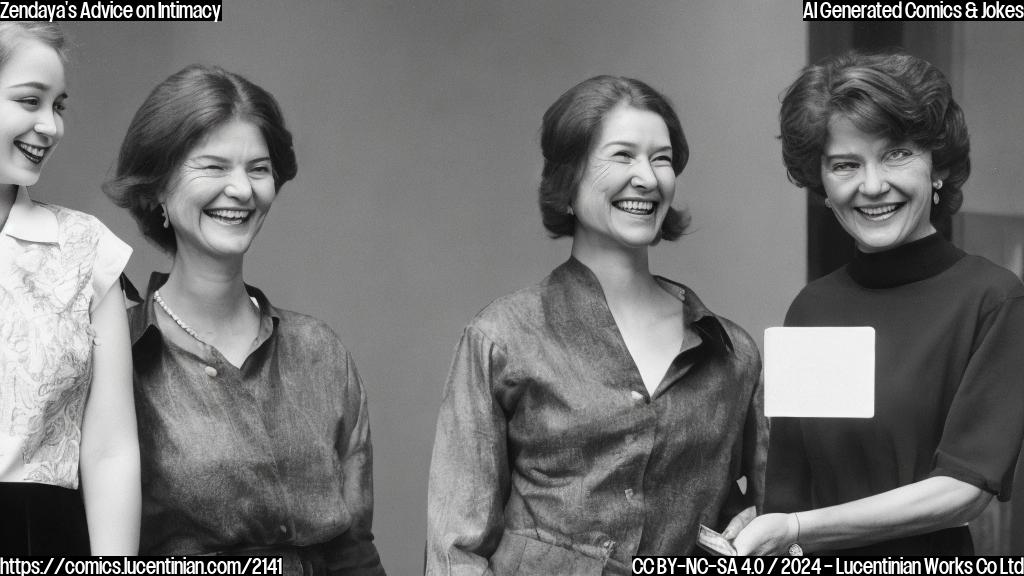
[73, 222]
[310, 331]
[519, 311]
[78, 229]
[743, 344]
[977, 273]
[741, 340]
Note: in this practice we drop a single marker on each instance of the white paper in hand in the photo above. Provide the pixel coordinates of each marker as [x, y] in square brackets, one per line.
[826, 372]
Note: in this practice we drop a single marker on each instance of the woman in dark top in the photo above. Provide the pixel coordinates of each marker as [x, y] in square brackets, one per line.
[604, 412]
[252, 420]
[883, 140]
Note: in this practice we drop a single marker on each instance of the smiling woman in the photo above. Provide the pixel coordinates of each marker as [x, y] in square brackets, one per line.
[65, 389]
[224, 190]
[253, 422]
[880, 190]
[881, 137]
[575, 409]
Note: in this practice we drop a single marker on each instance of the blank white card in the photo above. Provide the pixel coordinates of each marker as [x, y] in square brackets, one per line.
[821, 372]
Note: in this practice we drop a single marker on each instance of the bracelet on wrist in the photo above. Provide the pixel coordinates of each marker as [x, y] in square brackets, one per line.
[795, 549]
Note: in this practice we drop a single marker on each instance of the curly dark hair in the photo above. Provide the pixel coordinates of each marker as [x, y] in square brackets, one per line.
[570, 126]
[893, 95]
[174, 118]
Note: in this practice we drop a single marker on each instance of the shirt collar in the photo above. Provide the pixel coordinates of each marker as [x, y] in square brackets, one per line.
[910, 262]
[144, 322]
[31, 222]
[579, 298]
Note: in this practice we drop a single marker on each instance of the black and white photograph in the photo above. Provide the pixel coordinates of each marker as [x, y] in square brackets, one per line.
[545, 287]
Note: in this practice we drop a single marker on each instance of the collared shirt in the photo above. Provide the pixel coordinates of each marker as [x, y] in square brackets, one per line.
[56, 265]
[552, 457]
[274, 455]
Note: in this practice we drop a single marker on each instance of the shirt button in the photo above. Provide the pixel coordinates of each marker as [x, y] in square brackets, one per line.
[211, 371]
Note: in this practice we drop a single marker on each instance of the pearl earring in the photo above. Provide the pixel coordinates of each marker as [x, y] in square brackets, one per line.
[828, 203]
[167, 221]
[937, 184]
[935, 198]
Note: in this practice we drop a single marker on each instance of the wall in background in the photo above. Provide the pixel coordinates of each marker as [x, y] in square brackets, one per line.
[988, 76]
[416, 130]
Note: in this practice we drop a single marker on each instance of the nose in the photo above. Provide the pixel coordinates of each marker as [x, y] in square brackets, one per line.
[238, 186]
[643, 176]
[46, 124]
[875, 182]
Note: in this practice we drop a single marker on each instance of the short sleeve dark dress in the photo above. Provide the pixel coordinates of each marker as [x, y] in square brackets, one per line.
[949, 386]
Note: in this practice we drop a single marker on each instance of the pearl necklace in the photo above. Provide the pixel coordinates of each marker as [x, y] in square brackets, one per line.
[188, 329]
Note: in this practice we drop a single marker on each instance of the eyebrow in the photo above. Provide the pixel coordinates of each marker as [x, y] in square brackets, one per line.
[216, 158]
[37, 86]
[841, 155]
[633, 145]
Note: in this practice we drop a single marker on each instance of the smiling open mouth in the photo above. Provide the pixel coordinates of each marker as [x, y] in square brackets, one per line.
[35, 154]
[636, 207]
[879, 213]
[229, 217]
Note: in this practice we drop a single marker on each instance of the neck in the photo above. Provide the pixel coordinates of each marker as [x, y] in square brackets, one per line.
[207, 290]
[8, 194]
[623, 273]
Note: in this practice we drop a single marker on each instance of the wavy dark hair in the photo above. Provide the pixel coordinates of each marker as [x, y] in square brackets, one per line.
[174, 118]
[893, 95]
[568, 131]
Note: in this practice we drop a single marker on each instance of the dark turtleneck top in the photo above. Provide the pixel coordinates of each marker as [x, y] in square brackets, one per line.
[949, 384]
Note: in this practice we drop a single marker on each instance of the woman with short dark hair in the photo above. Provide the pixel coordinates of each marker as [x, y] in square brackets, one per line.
[881, 138]
[253, 424]
[605, 412]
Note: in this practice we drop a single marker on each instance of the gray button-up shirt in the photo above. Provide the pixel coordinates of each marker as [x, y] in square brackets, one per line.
[273, 456]
[552, 458]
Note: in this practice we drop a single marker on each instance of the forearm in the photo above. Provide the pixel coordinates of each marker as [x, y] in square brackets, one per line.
[109, 460]
[110, 485]
[924, 506]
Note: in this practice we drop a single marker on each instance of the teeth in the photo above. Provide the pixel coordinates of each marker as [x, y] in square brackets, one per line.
[229, 214]
[879, 212]
[35, 152]
[636, 206]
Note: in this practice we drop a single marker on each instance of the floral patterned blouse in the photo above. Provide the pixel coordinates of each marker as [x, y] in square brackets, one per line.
[56, 265]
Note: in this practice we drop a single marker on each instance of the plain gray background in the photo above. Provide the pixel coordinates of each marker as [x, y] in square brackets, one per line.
[416, 128]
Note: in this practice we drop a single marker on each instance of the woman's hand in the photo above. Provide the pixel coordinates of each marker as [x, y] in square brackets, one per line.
[739, 522]
[767, 535]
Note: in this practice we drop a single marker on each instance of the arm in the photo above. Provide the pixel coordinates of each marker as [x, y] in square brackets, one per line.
[353, 552]
[755, 455]
[469, 471]
[110, 447]
[974, 459]
[924, 506]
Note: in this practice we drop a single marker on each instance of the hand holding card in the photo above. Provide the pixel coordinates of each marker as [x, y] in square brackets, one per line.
[714, 542]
